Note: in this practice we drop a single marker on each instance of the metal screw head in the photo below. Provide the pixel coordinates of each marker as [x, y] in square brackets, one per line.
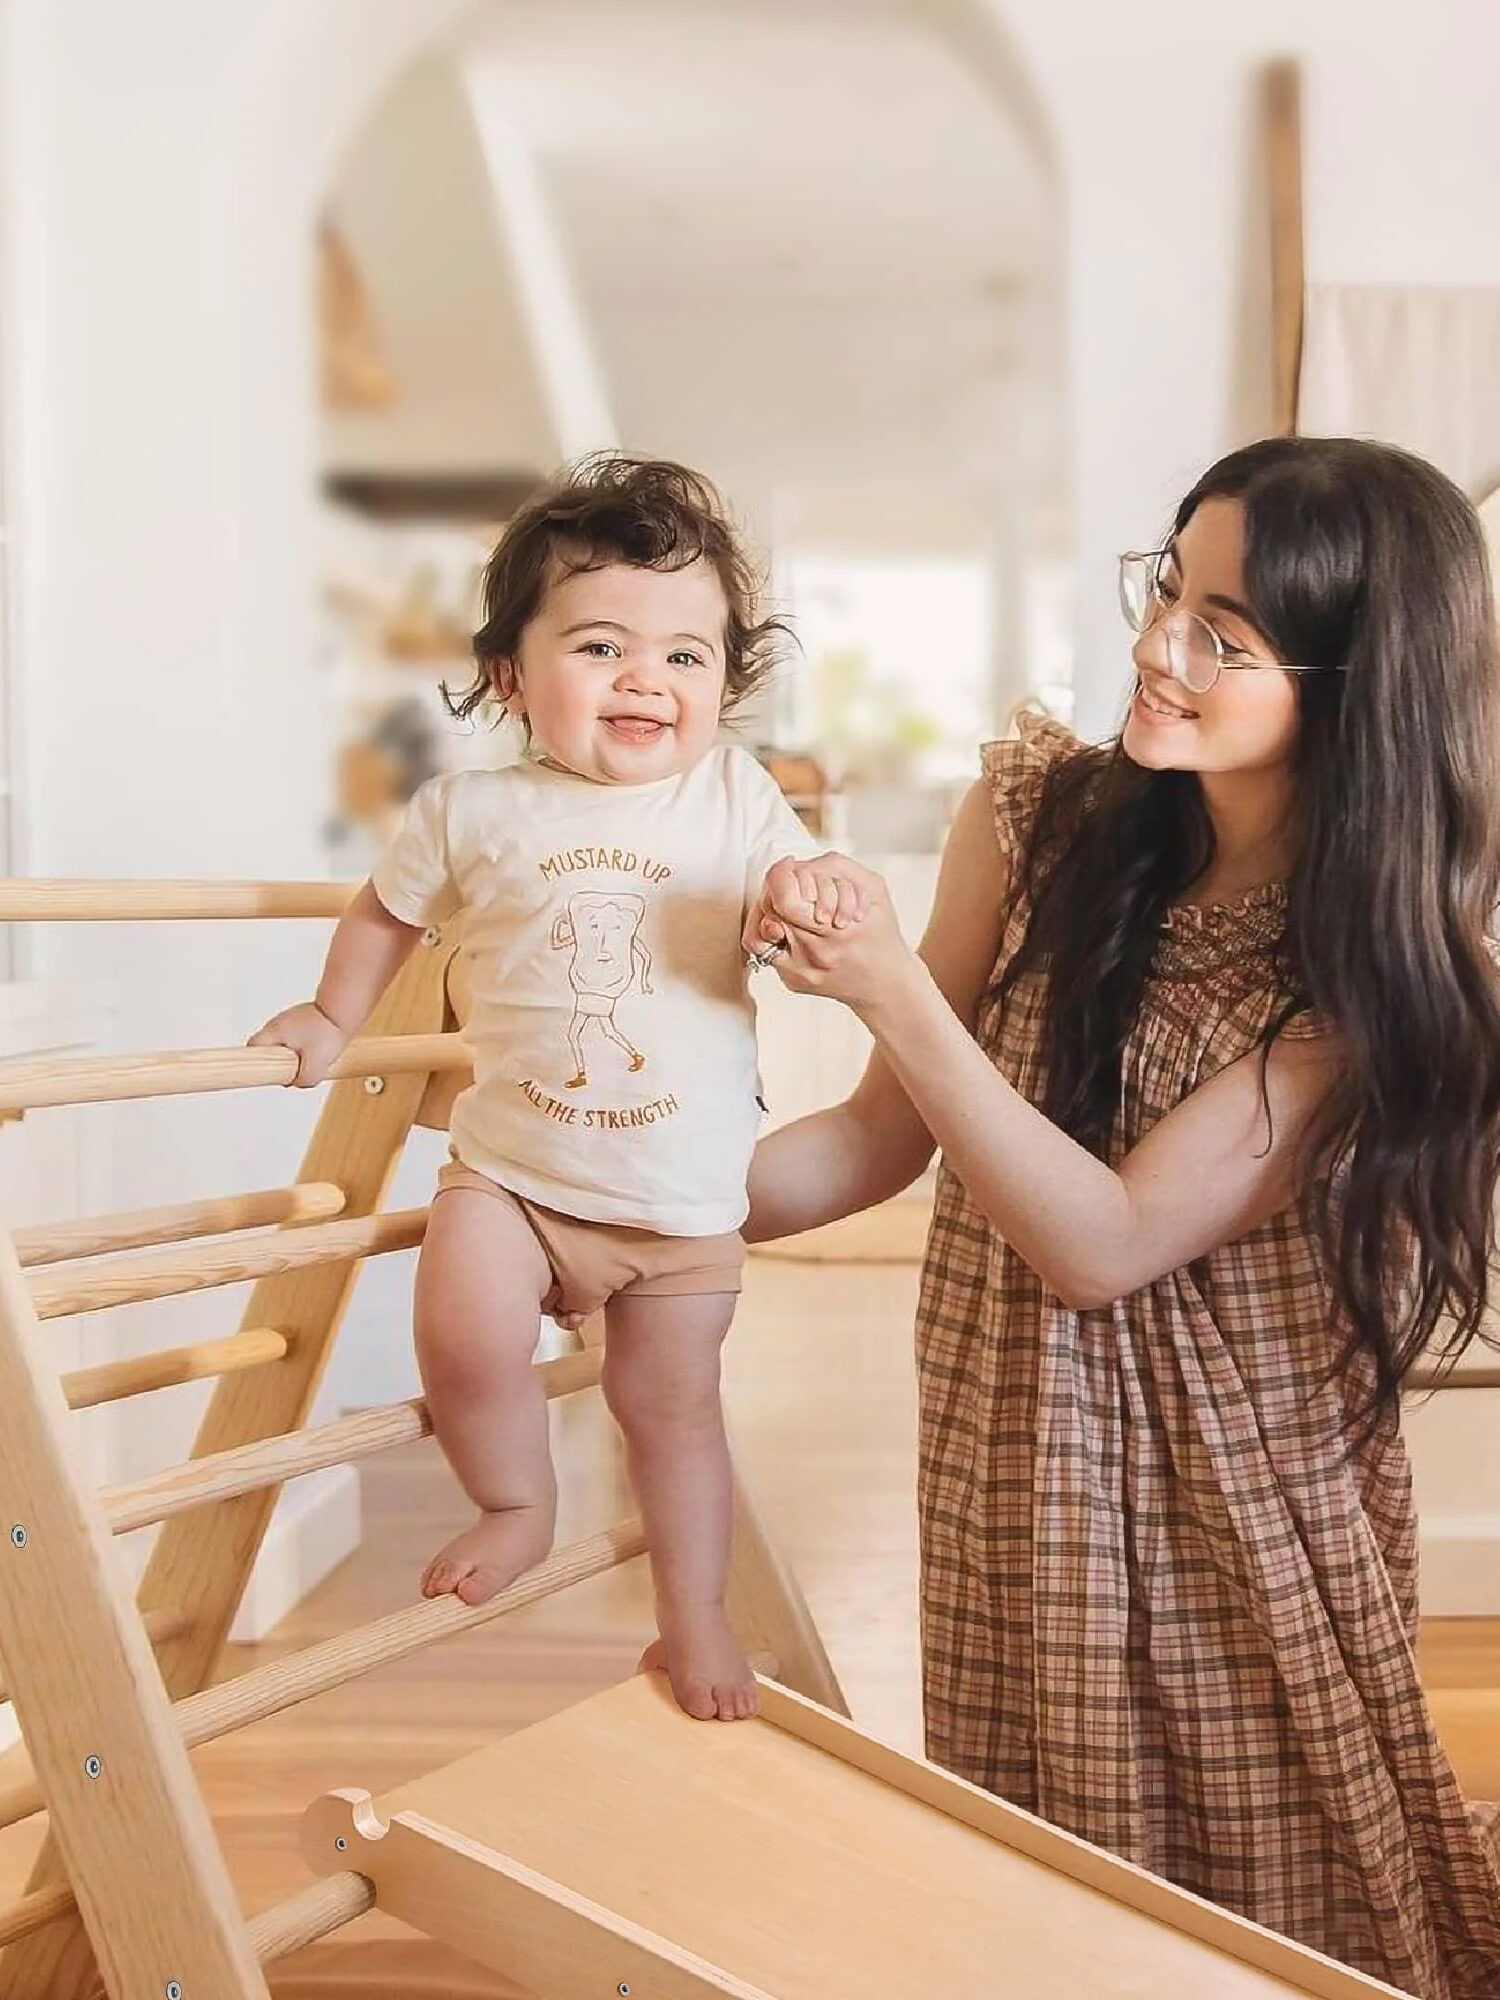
[342, 1845]
[174, 1989]
[623, 1988]
[431, 936]
[18, 1536]
[374, 1085]
[92, 1767]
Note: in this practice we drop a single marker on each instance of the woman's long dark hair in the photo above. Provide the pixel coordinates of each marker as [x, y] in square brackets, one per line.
[1359, 555]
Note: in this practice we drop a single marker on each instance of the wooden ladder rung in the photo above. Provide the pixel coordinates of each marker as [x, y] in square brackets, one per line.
[49, 1080]
[34, 1912]
[282, 1683]
[161, 1274]
[224, 1475]
[311, 1914]
[296, 1677]
[316, 1912]
[179, 1222]
[165, 1367]
[74, 899]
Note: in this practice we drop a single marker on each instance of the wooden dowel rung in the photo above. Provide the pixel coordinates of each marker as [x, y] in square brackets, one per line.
[47, 1080]
[31, 1913]
[160, 1626]
[225, 1475]
[113, 1381]
[137, 1229]
[313, 1913]
[45, 899]
[280, 1684]
[160, 1274]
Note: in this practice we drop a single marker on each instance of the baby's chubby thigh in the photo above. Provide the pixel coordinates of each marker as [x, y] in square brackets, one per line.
[481, 1278]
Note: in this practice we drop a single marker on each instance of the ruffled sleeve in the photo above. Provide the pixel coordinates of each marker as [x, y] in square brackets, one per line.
[1016, 771]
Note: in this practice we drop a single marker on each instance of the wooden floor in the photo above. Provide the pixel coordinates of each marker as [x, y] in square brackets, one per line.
[821, 1399]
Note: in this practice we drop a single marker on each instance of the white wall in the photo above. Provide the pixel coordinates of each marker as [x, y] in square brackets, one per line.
[1152, 109]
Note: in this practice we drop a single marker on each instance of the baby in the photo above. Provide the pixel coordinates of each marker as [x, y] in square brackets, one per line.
[599, 1158]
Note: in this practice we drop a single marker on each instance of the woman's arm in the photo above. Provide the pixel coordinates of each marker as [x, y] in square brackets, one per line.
[1208, 1172]
[873, 1145]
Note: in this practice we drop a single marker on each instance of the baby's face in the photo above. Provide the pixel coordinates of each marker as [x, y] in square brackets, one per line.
[621, 671]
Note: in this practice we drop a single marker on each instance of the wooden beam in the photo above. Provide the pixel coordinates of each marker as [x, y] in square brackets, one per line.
[1282, 109]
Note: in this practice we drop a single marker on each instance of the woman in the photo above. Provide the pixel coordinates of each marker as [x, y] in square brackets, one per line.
[1205, 1026]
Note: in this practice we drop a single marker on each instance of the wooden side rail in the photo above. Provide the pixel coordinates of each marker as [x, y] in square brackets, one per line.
[41, 1081]
[159, 1274]
[248, 1467]
[179, 1222]
[63, 900]
[160, 1626]
[280, 1684]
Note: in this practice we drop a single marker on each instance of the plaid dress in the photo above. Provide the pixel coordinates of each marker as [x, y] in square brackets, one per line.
[1164, 1604]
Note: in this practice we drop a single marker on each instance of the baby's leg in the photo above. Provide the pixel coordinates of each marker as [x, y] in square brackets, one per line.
[661, 1378]
[480, 1282]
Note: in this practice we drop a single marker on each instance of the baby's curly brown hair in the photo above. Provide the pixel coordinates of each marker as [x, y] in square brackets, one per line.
[615, 508]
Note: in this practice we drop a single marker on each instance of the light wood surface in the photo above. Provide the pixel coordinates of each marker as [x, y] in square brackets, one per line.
[136, 1229]
[112, 1381]
[102, 1282]
[35, 1082]
[619, 1844]
[121, 1792]
[249, 1468]
[38, 899]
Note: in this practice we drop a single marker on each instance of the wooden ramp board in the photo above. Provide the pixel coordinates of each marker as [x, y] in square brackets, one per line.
[621, 1849]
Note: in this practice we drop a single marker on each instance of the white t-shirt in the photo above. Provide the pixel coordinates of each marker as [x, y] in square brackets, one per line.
[612, 1024]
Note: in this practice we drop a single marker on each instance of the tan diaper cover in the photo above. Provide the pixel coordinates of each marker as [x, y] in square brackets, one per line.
[593, 1262]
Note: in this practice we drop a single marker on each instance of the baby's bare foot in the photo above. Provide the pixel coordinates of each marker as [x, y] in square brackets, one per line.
[710, 1675]
[485, 1558]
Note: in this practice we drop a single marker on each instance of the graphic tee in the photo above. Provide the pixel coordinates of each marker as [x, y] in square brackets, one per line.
[612, 1024]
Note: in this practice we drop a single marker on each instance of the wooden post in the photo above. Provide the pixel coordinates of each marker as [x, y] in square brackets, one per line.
[203, 1560]
[125, 1808]
[1283, 129]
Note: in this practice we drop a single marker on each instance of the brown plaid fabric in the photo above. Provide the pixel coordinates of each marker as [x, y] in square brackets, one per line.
[1165, 1604]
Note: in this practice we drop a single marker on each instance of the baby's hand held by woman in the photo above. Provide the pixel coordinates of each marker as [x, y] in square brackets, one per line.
[825, 893]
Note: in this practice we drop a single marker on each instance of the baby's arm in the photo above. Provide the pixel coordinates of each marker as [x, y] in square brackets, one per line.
[822, 892]
[368, 949]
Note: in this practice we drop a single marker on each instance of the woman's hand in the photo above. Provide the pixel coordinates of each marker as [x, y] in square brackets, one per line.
[839, 928]
[315, 1040]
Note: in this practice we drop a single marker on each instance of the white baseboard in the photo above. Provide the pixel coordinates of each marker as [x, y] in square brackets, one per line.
[1461, 1566]
[315, 1526]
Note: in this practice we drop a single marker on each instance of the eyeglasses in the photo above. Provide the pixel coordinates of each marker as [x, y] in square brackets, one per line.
[1195, 654]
